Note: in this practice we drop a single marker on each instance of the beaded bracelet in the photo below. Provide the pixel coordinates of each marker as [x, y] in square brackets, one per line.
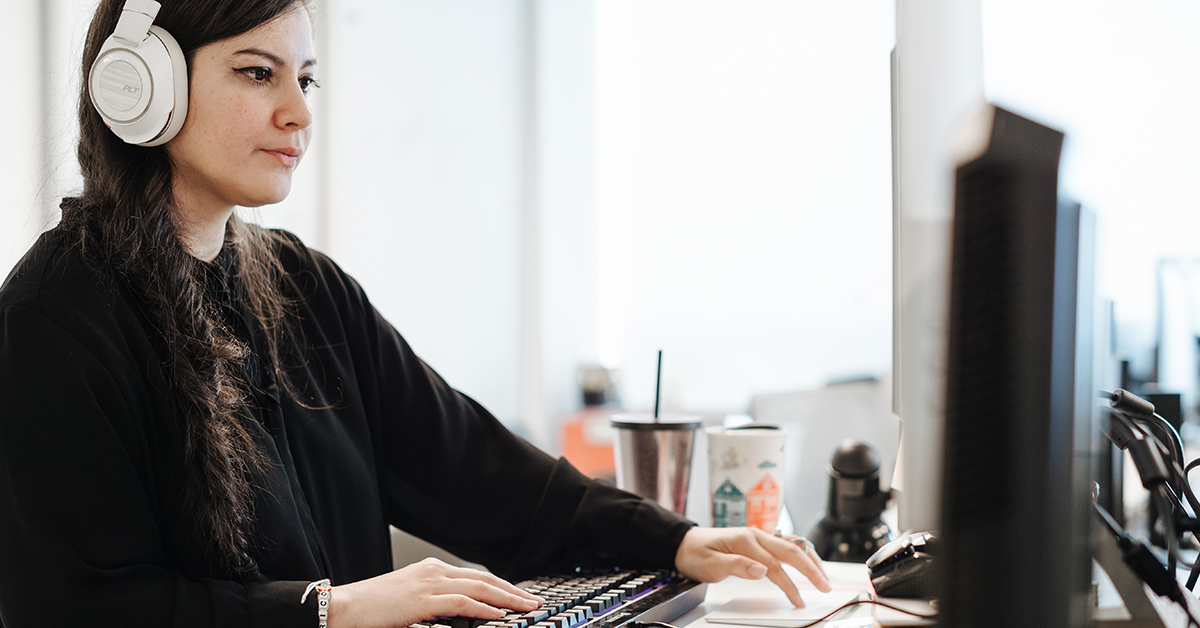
[323, 589]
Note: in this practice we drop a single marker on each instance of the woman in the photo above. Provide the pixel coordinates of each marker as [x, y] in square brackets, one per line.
[203, 418]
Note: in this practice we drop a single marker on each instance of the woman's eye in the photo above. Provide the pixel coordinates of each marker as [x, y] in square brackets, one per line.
[307, 81]
[258, 75]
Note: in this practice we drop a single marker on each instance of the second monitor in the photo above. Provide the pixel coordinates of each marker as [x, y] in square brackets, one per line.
[1015, 498]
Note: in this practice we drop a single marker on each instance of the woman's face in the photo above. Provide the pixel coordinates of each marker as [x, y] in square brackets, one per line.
[248, 122]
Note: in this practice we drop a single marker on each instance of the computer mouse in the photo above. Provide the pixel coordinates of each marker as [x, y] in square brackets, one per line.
[905, 567]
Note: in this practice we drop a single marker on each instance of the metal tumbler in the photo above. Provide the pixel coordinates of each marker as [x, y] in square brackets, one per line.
[654, 456]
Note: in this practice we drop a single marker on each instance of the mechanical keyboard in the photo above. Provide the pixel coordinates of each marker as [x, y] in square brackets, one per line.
[595, 599]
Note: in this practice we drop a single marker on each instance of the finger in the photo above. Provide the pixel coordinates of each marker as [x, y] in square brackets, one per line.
[494, 580]
[797, 551]
[720, 565]
[456, 605]
[752, 546]
[482, 591]
[804, 559]
[809, 550]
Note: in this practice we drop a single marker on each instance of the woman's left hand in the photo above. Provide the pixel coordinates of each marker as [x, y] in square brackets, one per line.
[712, 554]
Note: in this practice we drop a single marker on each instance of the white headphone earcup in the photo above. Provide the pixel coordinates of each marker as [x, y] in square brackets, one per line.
[141, 92]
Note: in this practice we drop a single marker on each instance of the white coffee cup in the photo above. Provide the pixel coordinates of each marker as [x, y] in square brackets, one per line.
[746, 474]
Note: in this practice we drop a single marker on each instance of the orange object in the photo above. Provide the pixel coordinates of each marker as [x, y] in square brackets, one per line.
[762, 504]
[587, 442]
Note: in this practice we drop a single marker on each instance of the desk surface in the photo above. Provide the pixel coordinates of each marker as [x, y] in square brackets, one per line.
[761, 604]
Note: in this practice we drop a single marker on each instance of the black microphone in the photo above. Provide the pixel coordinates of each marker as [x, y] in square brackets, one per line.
[851, 529]
[1129, 403]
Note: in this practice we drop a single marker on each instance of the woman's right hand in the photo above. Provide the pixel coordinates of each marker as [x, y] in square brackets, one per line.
[424, 591]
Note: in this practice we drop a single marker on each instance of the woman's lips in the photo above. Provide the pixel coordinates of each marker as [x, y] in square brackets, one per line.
[287, 157]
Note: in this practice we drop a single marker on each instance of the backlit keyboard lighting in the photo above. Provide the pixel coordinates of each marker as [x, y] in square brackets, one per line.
[595, 599]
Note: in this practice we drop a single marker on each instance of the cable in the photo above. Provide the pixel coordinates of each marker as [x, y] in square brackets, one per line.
[1146, 566]
[1172, 535]
[1191, 465]
[1176, 443]
[1171, 435]
[1142, 411]
[1194, 575]
[1186, 488]
[1128, 414]
[734, 621]
[1160, 473]
[1169, 502]
[1169, 527]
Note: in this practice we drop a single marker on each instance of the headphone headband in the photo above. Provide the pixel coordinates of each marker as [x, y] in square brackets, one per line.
[134, 23]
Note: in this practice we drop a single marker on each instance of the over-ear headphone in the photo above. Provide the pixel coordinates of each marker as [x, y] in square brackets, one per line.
[138, 82]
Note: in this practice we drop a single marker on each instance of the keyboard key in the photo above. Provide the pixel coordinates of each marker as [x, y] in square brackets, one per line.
[538, 615]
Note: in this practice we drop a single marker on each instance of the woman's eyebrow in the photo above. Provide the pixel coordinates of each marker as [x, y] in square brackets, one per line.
[274, 58]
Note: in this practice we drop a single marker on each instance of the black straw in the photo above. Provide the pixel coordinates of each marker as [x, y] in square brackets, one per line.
[657, 386]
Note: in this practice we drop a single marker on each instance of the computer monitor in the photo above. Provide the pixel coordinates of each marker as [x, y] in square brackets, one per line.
[1018, 404]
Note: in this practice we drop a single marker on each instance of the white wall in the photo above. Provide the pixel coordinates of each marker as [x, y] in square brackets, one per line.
[426, 173]
[566, 192]
[37, 147]
[20, 157]
[745, 196]
[1123, 82]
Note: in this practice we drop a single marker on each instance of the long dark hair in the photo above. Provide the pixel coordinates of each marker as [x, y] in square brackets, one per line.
[126, 222]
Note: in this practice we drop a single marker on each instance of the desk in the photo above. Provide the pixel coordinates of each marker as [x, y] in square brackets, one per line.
[763, 603]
